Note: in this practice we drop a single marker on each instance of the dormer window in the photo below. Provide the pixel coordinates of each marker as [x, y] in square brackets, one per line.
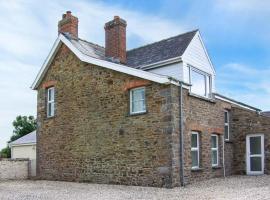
[201, 82]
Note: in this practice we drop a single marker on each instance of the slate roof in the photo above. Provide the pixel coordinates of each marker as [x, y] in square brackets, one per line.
[144, 55]
[266, 113]
[159, 51]
[29, 138]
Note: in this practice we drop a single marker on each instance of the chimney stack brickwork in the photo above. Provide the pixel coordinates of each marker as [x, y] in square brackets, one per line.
[115, 39]
[68, 24]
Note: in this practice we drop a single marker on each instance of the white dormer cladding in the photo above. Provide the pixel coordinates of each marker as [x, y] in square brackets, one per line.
[194, 62]
[196, 57]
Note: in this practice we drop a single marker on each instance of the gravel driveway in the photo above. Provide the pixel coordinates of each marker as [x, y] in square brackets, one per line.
[236, 187]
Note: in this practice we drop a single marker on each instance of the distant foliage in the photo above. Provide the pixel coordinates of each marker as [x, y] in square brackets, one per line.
[5, 153]
[22, 126]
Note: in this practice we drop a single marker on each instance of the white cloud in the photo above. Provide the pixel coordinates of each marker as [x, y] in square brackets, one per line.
[28, 29]
[245, 83]
[245, 5]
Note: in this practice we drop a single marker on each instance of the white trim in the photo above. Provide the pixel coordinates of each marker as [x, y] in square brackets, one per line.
[227, 124]
[232, 102]
[161, 63]
[197, 149]
[102, 63]
[50, 101]
[204, 48]
[215, 149]
[23, 144]
[206, 76]
[248, 170]
[131, 100]
[47, 62]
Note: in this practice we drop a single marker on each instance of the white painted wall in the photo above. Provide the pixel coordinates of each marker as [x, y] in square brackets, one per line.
[197, 56]
[26, 151]
[174, 70]
[23, 151]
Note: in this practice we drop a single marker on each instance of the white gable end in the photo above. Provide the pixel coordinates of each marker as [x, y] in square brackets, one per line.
[196, 55]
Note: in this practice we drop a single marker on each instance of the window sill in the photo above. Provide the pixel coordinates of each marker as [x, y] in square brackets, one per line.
[139, 113]
[228, 141]
[202, 97]
[196, 169]
[51, 117]
[216, 167]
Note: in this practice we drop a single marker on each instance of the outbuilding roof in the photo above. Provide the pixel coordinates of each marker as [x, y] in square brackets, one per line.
[27, 139]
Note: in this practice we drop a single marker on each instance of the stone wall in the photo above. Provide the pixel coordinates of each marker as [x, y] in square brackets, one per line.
[14, 169]
[92, 136]
[205, 117]
[244, 123]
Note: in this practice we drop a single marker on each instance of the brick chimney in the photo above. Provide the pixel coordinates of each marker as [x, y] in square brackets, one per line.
[68, 24]
[115, 39]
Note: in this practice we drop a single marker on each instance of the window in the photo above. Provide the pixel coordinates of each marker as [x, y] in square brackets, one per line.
[195, 150]
[226, 125]
[137, 100]
[50, 102]
[214, 150]
[200, 82]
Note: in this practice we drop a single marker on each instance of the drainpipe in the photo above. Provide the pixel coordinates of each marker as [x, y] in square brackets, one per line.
[181, 136]
[224, 169]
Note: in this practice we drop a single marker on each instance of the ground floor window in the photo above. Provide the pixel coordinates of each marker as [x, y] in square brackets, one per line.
[214, 150]
[195, 150]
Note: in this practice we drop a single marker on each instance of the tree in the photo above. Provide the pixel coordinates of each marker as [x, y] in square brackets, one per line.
[22, 126]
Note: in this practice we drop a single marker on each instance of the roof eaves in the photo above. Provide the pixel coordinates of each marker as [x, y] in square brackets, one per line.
[160, 63]
[238, 103]
[103, 63]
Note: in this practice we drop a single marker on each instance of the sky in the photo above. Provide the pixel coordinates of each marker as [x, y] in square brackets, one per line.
[236, 34]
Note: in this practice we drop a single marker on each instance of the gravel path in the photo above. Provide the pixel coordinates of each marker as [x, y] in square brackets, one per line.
[236, 187]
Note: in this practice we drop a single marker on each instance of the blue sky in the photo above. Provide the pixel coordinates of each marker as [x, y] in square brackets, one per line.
[236, 34]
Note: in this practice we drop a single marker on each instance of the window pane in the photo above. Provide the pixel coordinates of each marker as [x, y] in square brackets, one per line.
[256, 164]
[49, 109]
[214, 141]
[255, 145]
[138, 100]
[198, 83]
[194, 159]
[194, 141]
[226, 117]
[214, 157]
[226, 132]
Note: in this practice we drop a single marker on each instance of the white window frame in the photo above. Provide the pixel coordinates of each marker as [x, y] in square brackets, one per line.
[215, 149]
[227, 124]
[51, 102]
[196, 149]
[131, 101]
[207, 77]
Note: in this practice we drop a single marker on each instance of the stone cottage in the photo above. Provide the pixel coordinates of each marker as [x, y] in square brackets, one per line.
[149, 116]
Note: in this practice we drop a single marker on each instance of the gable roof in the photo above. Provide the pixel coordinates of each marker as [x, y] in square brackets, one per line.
[27, 139]
[94, 54]
[159, 51]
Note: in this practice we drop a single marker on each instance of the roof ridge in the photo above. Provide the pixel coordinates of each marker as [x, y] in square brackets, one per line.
[195, 30]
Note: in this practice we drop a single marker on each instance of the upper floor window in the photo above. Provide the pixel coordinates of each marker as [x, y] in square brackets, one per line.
[137, 100]
[195, 150]
[214, 150]
[50, 101]
[226, 125]
[201, 82]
